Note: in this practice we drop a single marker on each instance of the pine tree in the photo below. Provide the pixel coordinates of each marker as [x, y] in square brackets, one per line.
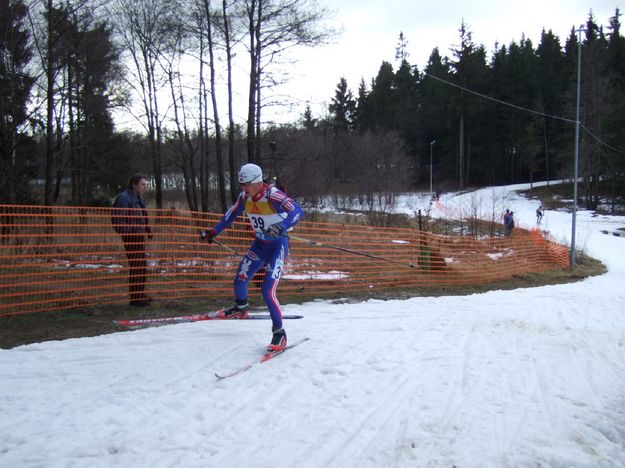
[360, 112]
[470, 72]
[597, 93]
[16, 84]
[308, 122]
[552, 83]
[401, 54]
[342, 106]
[436, 116]
[406, 103]
[614, 125]
[380, 111]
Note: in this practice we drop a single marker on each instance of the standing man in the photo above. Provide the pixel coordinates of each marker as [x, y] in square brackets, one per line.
[271, 214]
[130, 220]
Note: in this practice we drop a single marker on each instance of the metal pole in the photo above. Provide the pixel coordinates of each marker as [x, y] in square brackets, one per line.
[576, 162]
[431, 145]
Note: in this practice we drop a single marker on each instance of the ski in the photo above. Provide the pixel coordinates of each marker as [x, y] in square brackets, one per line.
[194, 318]
[264, 358]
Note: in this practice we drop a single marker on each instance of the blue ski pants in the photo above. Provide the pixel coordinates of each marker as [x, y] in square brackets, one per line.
[273, 254]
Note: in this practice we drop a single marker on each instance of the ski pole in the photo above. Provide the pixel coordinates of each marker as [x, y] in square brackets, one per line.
[355, 252]
[204, 236]
[227, 247]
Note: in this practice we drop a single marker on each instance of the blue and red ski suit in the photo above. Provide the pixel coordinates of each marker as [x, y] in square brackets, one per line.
[269, 206]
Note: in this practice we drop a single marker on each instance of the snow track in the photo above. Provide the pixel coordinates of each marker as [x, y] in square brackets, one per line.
[522, 378]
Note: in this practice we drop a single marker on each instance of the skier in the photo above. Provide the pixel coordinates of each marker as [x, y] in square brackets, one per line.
[539, 214]
[271, 214]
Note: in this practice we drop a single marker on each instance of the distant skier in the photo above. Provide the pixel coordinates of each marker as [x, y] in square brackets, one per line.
[271, 214]
[508, 223]
[539, 214]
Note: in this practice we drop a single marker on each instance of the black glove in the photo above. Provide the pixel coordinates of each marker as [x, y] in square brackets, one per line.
[208, 236]
[275, 230]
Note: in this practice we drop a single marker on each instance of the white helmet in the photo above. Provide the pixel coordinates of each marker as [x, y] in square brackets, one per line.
[250, 174]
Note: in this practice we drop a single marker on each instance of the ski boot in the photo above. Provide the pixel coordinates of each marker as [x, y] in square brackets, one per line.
[238, 311]
[278, 340]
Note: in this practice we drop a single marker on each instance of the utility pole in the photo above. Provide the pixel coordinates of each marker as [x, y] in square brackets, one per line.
[431, 159]
[576, 162]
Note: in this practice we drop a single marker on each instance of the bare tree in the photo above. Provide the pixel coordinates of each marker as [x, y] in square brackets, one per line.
[274, 26]
[218, 149]
[211, 26]
[145, 29]
[228, 43]
[187, 147]
[50, 78]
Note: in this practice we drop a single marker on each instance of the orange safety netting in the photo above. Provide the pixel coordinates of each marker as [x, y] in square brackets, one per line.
[54, 258]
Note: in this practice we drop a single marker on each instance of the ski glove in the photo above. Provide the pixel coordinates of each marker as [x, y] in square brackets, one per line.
[208, 236]
[275, 230]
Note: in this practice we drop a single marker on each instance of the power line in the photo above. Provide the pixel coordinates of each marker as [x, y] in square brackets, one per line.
[599, 140]
[499, 100]
[525, 109]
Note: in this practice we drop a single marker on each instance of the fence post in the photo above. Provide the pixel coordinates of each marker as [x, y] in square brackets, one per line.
[423, 259]
[172, 238]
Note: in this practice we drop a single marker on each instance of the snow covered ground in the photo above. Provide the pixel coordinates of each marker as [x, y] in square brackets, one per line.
[521, 378]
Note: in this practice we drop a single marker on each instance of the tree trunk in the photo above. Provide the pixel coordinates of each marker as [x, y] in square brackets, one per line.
[74, 167]
[257, 148]
[49, 160]
[461, 151]
[231, 128]
[203, 133]
[154, 131]
[251, 109]
[218, 148]
[187, 156]
[468, 158]
[547, 170]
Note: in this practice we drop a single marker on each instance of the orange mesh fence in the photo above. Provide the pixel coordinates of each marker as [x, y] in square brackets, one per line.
[54, 258]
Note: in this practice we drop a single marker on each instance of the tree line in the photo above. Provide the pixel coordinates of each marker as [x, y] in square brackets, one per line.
[464, 120]
[471, 120]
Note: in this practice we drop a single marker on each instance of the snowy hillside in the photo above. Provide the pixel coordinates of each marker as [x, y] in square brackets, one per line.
[521, 378]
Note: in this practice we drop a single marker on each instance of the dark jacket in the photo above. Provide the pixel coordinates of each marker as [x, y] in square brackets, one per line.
[130, 217]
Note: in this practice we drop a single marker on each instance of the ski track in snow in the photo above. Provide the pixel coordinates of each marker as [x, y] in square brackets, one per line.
[522, 378]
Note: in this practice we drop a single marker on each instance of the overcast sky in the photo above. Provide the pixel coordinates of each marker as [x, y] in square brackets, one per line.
[371, 29]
